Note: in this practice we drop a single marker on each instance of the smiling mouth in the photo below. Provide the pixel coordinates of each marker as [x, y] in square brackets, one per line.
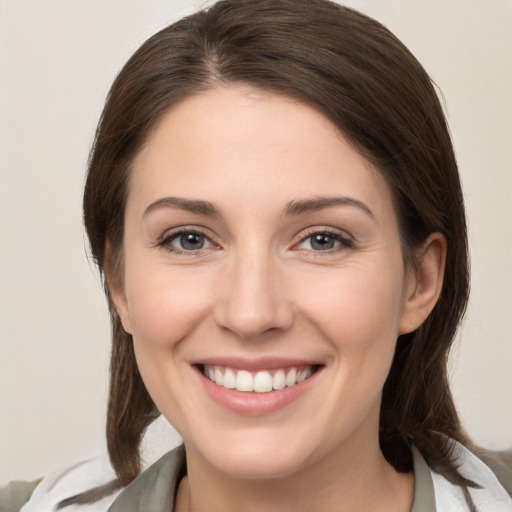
[263, 381]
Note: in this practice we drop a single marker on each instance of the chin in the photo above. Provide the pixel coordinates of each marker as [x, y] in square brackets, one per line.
[256, 455]
[257, 464]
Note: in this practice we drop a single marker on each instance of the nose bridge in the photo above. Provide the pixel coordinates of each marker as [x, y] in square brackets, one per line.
[254, 300]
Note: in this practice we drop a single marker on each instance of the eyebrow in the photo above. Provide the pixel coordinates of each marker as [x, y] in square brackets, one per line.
[190, 205]
[293, 208]
[310, 205]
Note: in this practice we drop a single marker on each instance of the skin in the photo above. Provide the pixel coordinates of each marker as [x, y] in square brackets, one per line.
[258, 288]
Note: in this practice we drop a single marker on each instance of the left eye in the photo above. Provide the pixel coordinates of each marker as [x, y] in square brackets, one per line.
[187, 241]
[323, 242]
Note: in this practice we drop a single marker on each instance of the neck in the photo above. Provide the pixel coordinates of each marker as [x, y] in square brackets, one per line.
[346, 479]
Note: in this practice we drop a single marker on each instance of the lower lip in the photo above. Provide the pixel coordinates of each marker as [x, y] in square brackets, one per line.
[256, 404]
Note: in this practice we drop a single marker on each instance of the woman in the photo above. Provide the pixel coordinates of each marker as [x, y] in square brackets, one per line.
[274, 202]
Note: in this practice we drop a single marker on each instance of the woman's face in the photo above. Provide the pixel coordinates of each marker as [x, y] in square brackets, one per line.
[261, 251]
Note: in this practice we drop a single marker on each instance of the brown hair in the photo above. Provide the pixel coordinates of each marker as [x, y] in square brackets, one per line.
[372, 88]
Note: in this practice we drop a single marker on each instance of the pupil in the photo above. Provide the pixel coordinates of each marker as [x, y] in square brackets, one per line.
[192, 241]
[322, 242]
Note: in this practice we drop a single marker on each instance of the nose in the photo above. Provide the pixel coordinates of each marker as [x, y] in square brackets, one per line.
[253, 298]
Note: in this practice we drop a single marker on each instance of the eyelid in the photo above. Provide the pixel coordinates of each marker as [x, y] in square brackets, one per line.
[177, 231]
[344, 238]
[164, 240]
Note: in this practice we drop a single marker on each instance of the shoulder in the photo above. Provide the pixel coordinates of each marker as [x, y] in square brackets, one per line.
[14, 495]
[44, 495]
[54, 488]
[490, 495]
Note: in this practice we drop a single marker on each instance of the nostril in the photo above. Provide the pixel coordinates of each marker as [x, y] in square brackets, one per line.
[254, 318]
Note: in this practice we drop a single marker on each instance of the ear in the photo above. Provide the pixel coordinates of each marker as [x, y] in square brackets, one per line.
[423, 283]
[113, 272]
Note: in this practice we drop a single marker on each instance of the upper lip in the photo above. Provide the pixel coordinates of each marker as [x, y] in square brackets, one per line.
[255, 364]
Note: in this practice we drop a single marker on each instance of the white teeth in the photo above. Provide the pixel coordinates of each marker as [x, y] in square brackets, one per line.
[300, 376]
[279, 380]
[263, 382]
[229, 379]
[303, 375]
[218, 376]
[260, 382]
[291, 377]
[244, 381]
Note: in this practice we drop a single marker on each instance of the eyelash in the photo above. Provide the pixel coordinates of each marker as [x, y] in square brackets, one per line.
[167, 240]
[344, 242]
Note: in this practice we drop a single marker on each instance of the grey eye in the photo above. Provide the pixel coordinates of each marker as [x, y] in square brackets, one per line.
[192, 241]
[322, 242]
[188, 241]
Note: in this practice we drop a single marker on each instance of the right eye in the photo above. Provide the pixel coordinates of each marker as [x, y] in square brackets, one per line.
[186, 241]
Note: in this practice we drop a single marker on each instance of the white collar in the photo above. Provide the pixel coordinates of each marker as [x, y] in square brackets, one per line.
[492, 497]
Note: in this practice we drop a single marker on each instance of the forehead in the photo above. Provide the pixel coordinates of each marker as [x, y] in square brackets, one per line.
[239, 144]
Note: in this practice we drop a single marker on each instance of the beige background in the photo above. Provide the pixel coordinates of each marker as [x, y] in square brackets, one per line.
[57, 59]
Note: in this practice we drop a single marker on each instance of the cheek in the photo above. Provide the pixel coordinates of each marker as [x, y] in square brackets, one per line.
[164, 305]
[357, 302]
[357, 311]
